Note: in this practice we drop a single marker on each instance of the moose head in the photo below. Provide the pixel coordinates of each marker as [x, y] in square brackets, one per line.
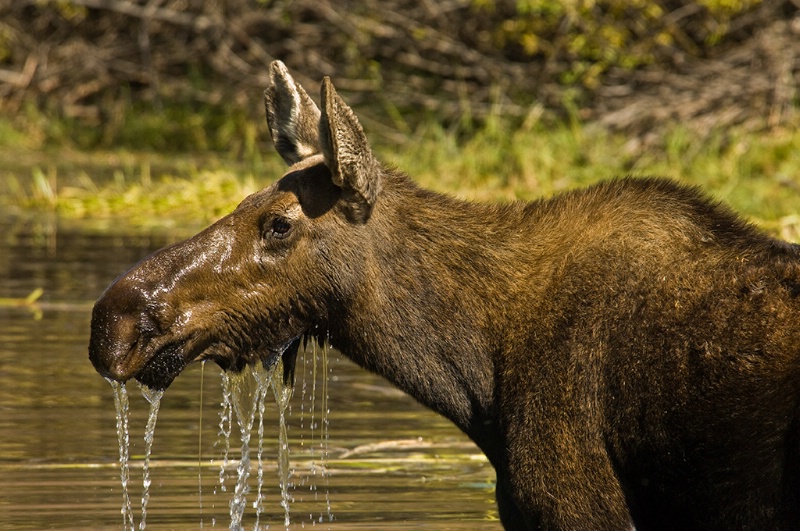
[250, 286]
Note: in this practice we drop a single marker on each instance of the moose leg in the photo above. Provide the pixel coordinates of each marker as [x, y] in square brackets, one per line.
[510, 516]
[565, 483]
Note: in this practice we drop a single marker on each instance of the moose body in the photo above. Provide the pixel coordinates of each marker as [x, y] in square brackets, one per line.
[627, 355]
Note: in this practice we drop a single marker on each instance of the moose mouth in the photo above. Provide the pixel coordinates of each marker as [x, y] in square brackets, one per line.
[160, 370]
[128, 343]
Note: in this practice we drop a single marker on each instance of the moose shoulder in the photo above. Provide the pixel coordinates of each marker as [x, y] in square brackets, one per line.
[627, 355]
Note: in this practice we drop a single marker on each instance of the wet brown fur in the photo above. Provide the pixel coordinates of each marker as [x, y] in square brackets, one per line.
[625, 355]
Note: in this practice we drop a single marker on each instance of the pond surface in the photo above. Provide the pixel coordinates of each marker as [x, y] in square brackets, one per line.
[377, 460]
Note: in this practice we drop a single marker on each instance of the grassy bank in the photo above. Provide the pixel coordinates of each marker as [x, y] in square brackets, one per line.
[758, 175]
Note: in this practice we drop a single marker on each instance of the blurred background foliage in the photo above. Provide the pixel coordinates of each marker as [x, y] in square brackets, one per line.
[187, 74]
[151, 110]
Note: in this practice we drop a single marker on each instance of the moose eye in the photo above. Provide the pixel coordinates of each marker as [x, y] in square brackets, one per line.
[280, 228]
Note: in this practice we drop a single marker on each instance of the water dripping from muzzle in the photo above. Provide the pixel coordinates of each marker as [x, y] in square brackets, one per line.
[123, 438]
[245, 391]
[283, 394]
[121, 404]
[244, 395]
[153, 396]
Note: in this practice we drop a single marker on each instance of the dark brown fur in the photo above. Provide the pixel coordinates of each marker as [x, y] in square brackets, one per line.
[625, 355]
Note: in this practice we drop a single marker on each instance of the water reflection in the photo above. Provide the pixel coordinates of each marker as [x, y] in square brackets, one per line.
[392, 464]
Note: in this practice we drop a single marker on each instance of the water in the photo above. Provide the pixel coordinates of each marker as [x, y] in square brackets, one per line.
[283, 394]
[123, 440]
[244, 394]
[376, 461]
[154, 398]
[258, 505]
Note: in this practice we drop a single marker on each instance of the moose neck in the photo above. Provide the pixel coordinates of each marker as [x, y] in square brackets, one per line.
[434, 277]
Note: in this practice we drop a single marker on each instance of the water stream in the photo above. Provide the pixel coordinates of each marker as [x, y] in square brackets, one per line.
[122, 407]
[258, 504]
[121, 404]
[244, 393]
[154, 398]
[319, 427]
[225, 430]
[247, 392]
[282, 393]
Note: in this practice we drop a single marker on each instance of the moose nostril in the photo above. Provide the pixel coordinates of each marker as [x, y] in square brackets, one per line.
[117, 329]
[112, 338]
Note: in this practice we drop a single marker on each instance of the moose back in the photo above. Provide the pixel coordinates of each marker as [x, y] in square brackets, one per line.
[627, 355]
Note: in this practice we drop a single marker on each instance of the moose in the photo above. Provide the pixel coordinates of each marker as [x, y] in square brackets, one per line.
[626, 355]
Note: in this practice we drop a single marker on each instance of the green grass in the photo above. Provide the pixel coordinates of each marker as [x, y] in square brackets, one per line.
[169, 201]
[757, 174]
[132, 190]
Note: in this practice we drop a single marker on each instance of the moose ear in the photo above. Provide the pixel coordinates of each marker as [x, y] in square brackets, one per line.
[347, 155]
[292, 116]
